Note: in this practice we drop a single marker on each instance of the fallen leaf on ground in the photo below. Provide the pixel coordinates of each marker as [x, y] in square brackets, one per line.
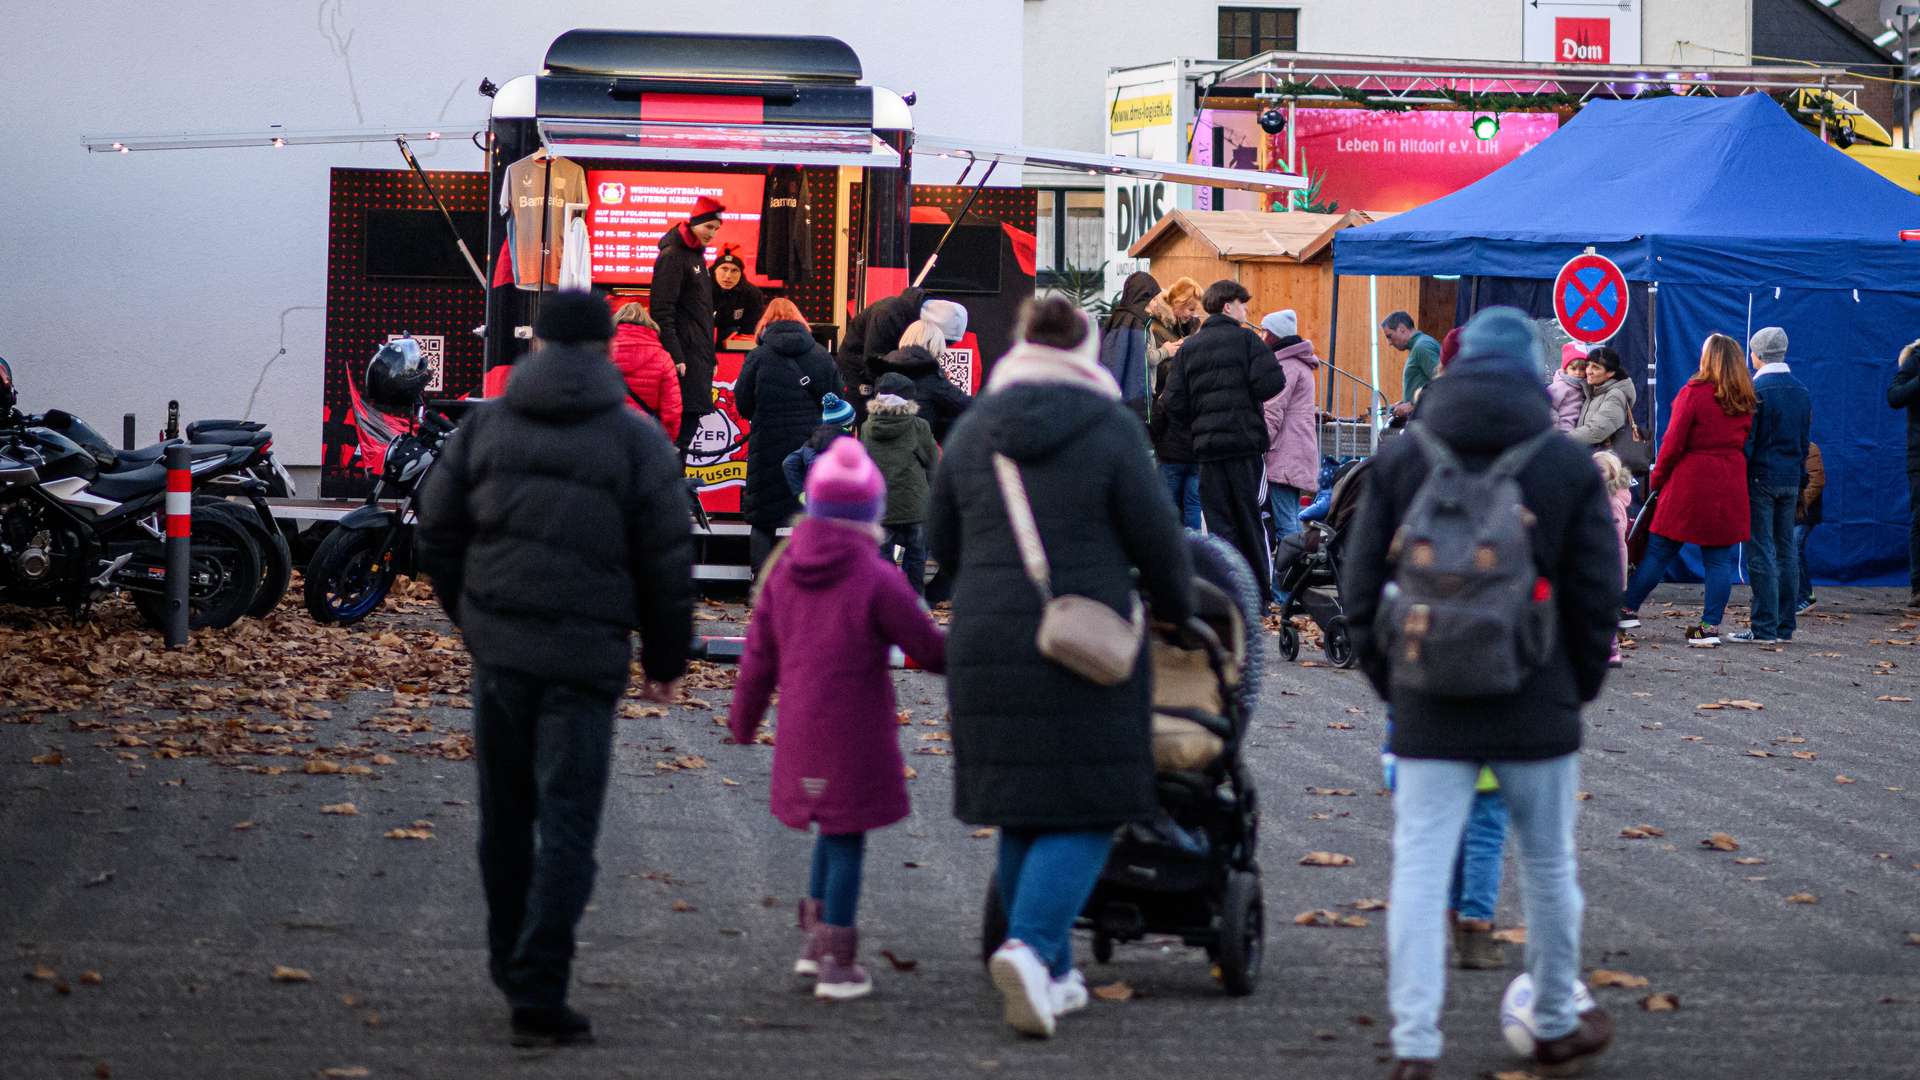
[1512, 1074]
[1759, 753]
[343, 809]
[729, 783]
[42, 973]
[898, 963]
[1892, 697]
[1516, 935]
[409, 834]
[1727, 703]
[51, 757]
[1805, 755]
[1330, 791]
[1803, 898]
[1324, 917]
[345, 1072]
[981, 834]
[283, 973]
[1370, 903]
[1721, 842]
[1325, 858]
[382, 759]
[1340, 725]
[683, 907]
[909, 772]
[90, 978]
[1641, 832]
[1663, 1001]
[320, 767]
[1583, 796]
[1843, 779]
[1113, 991]
[1913, 939]
[242, 826]
[1749, 860]
[1603, 978]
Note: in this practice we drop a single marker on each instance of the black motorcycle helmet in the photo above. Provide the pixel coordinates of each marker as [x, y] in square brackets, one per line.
[397, 376]
[7, 397]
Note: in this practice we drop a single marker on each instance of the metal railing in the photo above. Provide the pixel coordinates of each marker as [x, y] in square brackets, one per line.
[1356, 412]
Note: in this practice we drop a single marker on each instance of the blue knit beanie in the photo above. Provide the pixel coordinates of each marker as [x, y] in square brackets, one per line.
[1500, 340]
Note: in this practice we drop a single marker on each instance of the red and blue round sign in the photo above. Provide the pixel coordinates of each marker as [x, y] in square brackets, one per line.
[1590, 298]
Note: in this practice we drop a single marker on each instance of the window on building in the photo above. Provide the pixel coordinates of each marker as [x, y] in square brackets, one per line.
[1068, 226]
[1250, 31]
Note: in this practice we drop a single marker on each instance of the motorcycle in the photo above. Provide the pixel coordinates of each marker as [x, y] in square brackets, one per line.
[74, 527]
[354, 567]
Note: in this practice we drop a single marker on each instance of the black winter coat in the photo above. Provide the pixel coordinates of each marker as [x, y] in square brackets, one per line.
[1224, 374]
[1034, 745]
[1575, 548]
[1904, 393]
[1172, 440]
[681, 301]
[778, 393]
[941, 402]
[737, 310]
[872, 334]
[555, 523]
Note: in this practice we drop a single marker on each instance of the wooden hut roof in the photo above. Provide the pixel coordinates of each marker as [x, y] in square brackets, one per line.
[1252, 235]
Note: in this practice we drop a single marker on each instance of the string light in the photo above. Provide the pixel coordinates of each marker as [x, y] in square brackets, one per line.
[278, 142]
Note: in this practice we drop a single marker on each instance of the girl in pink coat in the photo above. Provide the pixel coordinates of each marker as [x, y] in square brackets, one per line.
[829, 613]
[1568, 390]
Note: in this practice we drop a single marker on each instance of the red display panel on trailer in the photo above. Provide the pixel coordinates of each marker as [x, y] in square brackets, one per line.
[628, 210]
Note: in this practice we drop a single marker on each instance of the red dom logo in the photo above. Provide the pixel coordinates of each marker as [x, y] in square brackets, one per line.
[1582, 41]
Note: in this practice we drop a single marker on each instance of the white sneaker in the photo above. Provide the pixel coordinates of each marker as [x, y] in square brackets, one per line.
[1025, 987]
[1069, 993]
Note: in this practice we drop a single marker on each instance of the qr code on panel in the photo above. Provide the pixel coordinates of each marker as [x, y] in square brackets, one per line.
[957, 366]
[433, 348]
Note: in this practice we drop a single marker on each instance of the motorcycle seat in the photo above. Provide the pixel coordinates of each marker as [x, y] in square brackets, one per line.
[230, 437]
[130, 484]
[198, 428]
[147, 455]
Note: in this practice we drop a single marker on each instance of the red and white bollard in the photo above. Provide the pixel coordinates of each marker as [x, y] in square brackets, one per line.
[179, 540]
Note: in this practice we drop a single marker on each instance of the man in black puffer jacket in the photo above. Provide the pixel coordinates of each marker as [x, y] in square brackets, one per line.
[1224, 374]
[681, 302]
[554, 524]
[872, 334]
[1489, 401]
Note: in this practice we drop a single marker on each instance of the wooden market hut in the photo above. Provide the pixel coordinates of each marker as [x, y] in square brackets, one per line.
[1286, 261]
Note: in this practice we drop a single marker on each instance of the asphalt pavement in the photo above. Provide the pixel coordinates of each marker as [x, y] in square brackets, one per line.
[201, 916]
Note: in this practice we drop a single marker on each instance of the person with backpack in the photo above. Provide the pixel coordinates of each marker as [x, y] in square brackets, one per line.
[902, 446]
[1479, 585]
[778, 392]
[653, 386]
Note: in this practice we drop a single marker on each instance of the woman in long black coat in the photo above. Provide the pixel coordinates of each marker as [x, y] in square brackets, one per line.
[778, 394]
[1054, 760]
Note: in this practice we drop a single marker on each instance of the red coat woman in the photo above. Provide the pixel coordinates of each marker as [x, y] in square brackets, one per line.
[1701, 473]
[646, 366]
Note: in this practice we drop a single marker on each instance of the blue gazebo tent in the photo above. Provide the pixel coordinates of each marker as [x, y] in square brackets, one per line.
[1725, 215]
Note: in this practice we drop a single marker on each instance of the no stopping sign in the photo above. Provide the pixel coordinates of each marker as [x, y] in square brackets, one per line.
[1590, 298]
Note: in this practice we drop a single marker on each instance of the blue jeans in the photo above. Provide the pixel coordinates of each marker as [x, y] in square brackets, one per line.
[1045, 879]
[1476, 870]
[1800, 534]
[912, 541]
[1183, 483]
[1431, 803]
[1661, 551]
[1772, 568]
[1283, 506]
[837, 860]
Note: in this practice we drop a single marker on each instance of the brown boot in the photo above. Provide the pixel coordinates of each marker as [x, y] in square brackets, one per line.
[1568, 1054]
[1412, 1069]
[1474, 948]
[809, 916]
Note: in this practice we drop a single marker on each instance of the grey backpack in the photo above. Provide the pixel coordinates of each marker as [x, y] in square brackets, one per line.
[1466, 612]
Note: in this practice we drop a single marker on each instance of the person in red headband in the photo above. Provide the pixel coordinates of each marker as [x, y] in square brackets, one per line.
[681, 302]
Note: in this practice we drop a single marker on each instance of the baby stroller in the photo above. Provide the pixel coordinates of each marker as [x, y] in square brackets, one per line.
[1194, 871]
[1306, 570]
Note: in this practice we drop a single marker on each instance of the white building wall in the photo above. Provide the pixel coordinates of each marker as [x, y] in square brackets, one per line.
[131, 279]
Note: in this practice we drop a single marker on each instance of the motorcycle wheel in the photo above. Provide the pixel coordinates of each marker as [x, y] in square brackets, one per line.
[225, 572]
[276, 557]
[348, 576]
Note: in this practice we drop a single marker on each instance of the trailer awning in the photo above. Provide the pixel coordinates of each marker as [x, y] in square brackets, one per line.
[1107, 164]
[738, 144]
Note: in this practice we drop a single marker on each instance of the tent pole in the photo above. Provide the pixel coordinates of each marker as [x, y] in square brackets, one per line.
[1333, 344]
[1373, 320]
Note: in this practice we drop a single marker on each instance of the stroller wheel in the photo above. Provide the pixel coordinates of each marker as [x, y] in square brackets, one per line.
[993, 920]
[1339, 644]
[1243, 916]
[1289, 642]
[1103, 947]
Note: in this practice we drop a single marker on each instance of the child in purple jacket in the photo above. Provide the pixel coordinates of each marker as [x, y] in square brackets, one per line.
[829, 613]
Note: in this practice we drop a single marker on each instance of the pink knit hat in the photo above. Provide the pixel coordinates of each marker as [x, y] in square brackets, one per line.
[1571, 352]
[845, 484]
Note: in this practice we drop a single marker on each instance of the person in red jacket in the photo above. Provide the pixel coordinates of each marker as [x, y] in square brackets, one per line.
[1700, 478]
[653, 386]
